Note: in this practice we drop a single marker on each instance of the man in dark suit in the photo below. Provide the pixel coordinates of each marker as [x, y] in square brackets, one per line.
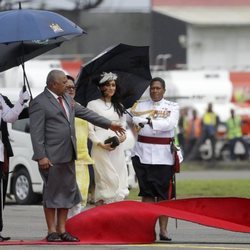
[52, 129]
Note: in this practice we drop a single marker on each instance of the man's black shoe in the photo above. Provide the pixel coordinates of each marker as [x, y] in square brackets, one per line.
[4, 238]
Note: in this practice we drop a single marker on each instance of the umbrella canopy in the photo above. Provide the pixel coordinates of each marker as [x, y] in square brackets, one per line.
[130, 63]
[26, 25]
[25, 34]
[14, 54]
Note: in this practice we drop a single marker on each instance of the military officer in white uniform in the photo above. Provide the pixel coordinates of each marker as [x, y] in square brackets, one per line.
[152, 158]
[7, 114]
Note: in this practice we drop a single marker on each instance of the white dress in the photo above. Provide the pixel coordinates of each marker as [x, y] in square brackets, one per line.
[111, 176]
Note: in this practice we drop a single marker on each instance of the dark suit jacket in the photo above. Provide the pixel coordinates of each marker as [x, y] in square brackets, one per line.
[52, 133]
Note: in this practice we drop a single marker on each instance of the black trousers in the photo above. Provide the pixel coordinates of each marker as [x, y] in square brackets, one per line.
[1, 196]
[4, 176]
[154, 180]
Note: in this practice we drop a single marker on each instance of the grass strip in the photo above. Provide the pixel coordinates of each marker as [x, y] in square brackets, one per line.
[207, 188]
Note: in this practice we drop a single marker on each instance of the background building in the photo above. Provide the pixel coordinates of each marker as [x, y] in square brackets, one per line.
[213, 34]
[182, 34]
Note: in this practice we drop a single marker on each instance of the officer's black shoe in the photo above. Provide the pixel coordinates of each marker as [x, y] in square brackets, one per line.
[164, 238]
[4, 238]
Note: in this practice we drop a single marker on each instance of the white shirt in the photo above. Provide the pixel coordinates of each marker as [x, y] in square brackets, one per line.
[64, 103]
[8, 115]
[164, 122]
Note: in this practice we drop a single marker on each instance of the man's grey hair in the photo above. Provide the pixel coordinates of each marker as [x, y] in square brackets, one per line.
[53, 76]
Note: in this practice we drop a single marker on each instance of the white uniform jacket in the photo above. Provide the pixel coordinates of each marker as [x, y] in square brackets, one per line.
[164, 121]
[8, 115]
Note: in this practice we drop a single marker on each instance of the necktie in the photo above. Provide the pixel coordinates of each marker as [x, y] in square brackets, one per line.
[61, 103]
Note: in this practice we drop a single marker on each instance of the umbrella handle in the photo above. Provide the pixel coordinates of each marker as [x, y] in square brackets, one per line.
[24, 87]
[25, 79]
[127, 112]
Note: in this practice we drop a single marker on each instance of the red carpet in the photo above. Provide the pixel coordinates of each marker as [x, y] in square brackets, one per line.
[231, 214]
[134, 222]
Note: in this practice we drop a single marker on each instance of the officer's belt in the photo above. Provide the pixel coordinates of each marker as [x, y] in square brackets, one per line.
[154, 140]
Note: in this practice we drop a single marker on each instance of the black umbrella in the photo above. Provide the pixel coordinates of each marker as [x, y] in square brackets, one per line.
[130, 63]
[25, 34]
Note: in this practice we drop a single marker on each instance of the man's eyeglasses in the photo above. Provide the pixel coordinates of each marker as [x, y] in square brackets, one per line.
[71, 87]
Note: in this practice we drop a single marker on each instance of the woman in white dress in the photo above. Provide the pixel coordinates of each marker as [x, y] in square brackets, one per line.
[111, 177]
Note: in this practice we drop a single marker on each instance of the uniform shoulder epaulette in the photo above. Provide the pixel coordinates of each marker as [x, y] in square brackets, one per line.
[171, 103]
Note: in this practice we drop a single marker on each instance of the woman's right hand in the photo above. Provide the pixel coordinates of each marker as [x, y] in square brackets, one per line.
[122, 138]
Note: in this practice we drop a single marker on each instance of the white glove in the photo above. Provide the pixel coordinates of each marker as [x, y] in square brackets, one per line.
[179, 153]
[139, 121]
[24, 96]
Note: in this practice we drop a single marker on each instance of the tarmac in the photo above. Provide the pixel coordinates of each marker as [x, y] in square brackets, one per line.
[27, 223]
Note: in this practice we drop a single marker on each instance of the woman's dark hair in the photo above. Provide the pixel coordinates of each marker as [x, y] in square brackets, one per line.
[115, 99]
[71, 78]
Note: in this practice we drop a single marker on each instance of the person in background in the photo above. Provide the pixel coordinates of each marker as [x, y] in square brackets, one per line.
[52, 130]
[181, 129]
[8, 113]
[210, 122]
[153, 158]
[193, 131]
[234, 134]
[110, 169]
[83, 158]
